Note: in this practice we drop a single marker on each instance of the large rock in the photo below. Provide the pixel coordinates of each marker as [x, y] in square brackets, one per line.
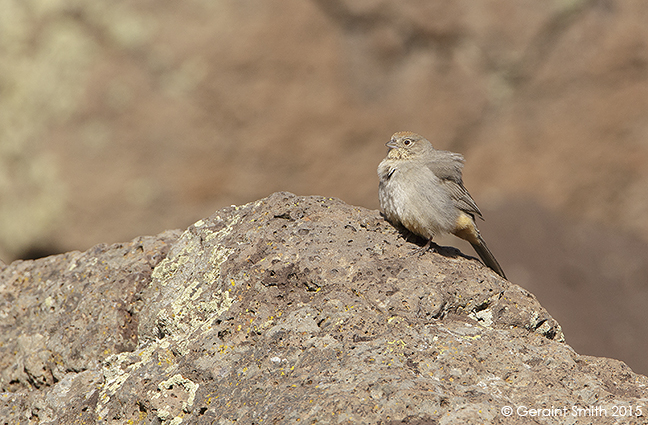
[289, 308]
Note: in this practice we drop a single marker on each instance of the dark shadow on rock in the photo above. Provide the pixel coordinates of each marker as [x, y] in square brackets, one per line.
[446, 251]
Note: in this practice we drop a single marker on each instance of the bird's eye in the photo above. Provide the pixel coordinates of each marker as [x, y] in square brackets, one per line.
[407, 142]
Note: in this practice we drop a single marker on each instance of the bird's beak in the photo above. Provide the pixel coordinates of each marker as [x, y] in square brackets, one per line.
[391, 144]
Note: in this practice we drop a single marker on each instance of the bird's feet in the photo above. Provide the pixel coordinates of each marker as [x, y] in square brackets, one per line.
[429, 246]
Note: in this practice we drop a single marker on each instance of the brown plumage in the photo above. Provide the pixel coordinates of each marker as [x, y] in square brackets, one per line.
[421, 189]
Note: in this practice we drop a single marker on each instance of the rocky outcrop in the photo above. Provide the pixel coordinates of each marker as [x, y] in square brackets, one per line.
[289, 308]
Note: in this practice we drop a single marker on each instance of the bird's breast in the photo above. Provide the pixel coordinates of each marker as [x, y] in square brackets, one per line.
[414, 197]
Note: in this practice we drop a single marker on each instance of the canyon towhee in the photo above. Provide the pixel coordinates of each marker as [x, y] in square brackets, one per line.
[422, 190]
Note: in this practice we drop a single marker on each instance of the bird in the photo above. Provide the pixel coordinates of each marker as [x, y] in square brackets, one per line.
[421, 189]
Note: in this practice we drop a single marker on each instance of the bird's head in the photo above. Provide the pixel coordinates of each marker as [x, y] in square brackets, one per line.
[406, 145]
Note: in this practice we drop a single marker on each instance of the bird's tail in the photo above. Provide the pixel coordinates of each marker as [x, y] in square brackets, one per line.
[487, 257]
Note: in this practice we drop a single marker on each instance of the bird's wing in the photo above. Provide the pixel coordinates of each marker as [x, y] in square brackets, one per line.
[447, 167]
[462, 198]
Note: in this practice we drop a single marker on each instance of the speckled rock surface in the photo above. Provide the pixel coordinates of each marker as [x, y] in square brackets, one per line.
[61, 316]
[299, 308]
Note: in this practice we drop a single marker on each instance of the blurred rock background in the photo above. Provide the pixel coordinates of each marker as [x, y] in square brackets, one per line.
[131, 117]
